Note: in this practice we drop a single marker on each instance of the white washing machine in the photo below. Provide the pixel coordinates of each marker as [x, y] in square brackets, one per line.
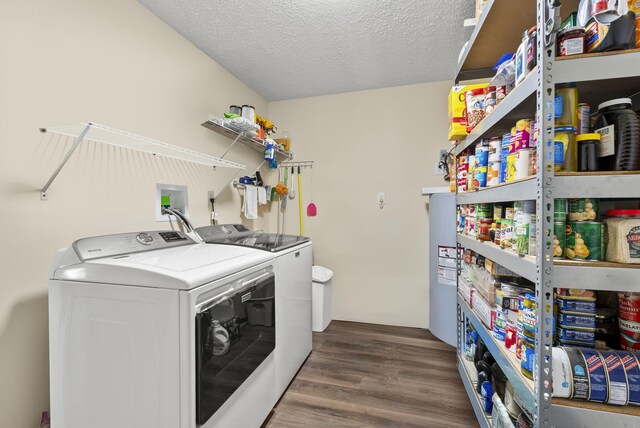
[293, 266]
[154, 330]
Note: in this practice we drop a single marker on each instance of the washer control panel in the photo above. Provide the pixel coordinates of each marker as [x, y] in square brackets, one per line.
[123, 244]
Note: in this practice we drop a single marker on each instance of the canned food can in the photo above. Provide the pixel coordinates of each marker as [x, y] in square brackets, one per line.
[522, 231]
[629, 328]
[480, 177]
[484, 210]
[562, 379]
[559, 239]
[472, 168]
[504, 153]
[493, 173]
[506, 233]
[511, 168]
[512, 141]
[579, 371]
[527, 357]
[482, 153]
[560, 209]
[629, 306]
[616, 379]
[495, 147]
[522, 164]
[490, 99]
[523, 134]
[585, 240]
[630, 362]
[598, 385]
[584, 112]
[586, 209]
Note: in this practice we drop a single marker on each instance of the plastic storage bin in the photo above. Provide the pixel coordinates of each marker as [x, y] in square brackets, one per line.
[321, 298]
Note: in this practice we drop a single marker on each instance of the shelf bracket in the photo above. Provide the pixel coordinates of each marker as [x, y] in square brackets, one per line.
[76, 143]
[231, 146]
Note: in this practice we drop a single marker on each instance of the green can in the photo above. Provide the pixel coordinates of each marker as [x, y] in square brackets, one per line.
[484, 210]
[585, 240]
[560, 209]
[583, 209]
[559, 239]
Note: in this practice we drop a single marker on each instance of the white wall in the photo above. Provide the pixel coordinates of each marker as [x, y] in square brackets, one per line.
[112, 62]
[385, 140]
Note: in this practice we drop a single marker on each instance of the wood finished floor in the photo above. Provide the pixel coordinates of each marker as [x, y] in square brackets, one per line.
[365, 375]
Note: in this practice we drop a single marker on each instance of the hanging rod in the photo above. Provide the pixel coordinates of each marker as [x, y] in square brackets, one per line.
[299, 164]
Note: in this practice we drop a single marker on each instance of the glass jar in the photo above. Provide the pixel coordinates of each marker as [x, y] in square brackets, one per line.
[566, 105]
[565, 150]
[483, 226]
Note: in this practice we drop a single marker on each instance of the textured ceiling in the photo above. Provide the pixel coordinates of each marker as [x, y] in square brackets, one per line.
[288, 49]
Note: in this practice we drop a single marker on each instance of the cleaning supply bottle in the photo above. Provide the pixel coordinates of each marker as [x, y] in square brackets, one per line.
[269, 152]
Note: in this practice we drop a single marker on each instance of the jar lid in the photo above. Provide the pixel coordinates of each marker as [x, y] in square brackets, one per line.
[570, 29]
[533, 29]
[614, 102]
[247, 105]
[623, 213]
[588, 137]
[565, 129]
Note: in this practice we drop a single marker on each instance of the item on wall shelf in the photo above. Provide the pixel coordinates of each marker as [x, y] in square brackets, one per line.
[237, 110]
[249, 113]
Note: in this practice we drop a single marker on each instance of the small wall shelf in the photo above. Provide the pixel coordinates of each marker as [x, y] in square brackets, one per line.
[116, 137]
[240, 137]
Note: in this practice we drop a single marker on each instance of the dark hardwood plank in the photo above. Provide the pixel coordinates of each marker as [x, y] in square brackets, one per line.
[367, 375]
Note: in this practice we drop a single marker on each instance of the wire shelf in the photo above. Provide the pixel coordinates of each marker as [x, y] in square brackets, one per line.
[116, 137]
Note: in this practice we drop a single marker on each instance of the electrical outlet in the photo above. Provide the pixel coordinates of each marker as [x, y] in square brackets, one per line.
[382, 200]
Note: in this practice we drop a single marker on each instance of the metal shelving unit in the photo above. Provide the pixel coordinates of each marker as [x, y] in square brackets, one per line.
[599, 77]
[522, 386]
[467, 371]
[116, 137]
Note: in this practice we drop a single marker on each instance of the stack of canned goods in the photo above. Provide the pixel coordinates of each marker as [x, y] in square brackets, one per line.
[499, 160]
[578, 234]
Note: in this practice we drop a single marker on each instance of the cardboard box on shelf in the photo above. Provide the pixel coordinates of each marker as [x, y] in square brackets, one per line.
[458, 110]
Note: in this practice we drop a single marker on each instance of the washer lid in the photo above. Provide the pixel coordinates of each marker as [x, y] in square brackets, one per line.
[180, 268]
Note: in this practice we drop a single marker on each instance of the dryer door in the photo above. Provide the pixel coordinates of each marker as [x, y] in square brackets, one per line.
[235, 333]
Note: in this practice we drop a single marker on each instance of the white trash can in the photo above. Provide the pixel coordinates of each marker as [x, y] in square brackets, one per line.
[321, 298]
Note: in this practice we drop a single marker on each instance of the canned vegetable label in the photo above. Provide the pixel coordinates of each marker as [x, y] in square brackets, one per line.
[586, 209]
[559, 239]
[585, 240]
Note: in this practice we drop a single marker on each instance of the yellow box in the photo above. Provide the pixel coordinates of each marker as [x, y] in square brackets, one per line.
[458, 110]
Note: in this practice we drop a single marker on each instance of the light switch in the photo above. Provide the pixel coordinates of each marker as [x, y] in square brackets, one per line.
[382, 200]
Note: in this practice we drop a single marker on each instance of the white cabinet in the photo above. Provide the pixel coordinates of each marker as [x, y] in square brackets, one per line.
[293, 312]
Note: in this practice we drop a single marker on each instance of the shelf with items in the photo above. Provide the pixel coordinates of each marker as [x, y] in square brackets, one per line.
[599, 184]
[253, 143]
[467, 372]
[574, 413]
[116, 137]
[591, 275]
[519, 103]
[498, 30]
[525, 189]
[523, 265]
[507, 360]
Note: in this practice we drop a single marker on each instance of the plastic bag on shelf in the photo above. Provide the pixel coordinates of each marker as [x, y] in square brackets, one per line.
[505, 75]
[588, 8]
